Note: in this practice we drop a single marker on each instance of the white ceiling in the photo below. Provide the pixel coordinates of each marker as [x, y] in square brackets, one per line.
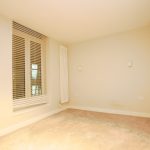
[73, 21]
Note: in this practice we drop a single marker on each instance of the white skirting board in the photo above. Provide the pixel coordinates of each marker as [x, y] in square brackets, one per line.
[113, 111]
[17, 126]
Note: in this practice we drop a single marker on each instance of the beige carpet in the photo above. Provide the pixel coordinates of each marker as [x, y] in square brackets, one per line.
[81, 130]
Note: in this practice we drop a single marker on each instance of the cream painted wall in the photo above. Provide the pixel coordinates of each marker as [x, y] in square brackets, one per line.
[99, 75]
[7, 116]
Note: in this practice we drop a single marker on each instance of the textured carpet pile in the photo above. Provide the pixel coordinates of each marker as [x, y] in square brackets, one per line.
[81, 130]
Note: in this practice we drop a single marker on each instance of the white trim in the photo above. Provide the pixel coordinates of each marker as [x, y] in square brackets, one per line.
[30, 109]
[29, 101]
[112, 111]
[27, 122]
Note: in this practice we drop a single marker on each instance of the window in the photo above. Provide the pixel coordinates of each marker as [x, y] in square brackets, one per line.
[28, 67]
[36, 86]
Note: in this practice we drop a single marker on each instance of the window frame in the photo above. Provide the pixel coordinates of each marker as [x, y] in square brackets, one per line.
[28, 69]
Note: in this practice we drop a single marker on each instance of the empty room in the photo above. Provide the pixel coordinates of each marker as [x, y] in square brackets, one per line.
[75, 75]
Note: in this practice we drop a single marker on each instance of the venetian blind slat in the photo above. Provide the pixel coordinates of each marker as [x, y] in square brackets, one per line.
[27, 30]
[18, 67]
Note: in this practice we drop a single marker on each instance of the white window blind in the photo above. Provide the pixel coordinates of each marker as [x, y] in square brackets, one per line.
[28, 67]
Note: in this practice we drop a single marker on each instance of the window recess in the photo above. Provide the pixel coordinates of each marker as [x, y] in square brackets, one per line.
[28, 66]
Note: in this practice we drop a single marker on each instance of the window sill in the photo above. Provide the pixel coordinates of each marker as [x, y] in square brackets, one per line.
[25, 105]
